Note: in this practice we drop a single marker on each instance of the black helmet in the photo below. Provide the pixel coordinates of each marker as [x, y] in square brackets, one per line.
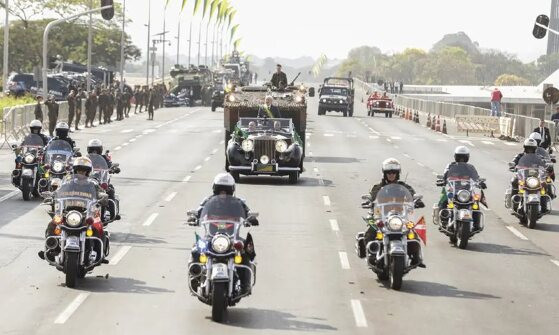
[62, 130]
[461, 154]
[82, 164]
[530, 146]
[95, 146]
[35, 127]
[224, 182]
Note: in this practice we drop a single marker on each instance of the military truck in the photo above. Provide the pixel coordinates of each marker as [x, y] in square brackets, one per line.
[196, 82]
[336, 95]
[244, 102]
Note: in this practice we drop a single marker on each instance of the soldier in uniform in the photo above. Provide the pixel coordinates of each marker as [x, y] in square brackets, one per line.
[52, 113]
[279, 79]
[151, 102]
[71, 98]
[119, 105]
[79, 99]
[127, 96]
[38, 109]
[110, 106]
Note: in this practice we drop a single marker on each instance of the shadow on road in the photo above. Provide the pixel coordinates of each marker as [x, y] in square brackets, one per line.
[547, 227]
[283, 181]
[432, 289]
[22, 237]
[252, 318]
[129, 238]
[501, 249]
[338, 160]
[110, 284]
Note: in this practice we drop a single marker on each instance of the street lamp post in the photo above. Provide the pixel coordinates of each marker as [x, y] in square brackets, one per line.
[189, 44]
[5, 70]
[89, 42]
[122, 45]
[163, 60]
[179, 41]
[148, 50]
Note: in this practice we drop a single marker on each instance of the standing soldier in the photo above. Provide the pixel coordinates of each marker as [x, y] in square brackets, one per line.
[71, 98]
[137, 98]
[119, 105]
[110, 106]
[79, 99]
[151, 101]
[52, 113]
[103, 101]
[38, 109]
[127, 96]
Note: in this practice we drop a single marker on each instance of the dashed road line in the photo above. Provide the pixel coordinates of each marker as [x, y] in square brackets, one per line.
[395, 137]
[420, 164]
[119, 254]
[9, 195]
[171, 196]
[334, 225]
[132, 140]
[198, 167]
[125, 144]
[118, 148]
[510, 143]
[488, 142]
[344, 261]
[358, 314]
[388, 140]
[442, 140]
[222, 142]
[214, 151]
[373, 137]
[517, 233]
[467, 142]
[328, 135]
[373, 131]
[407, 156]
[326, 200]
[186, 179]
[127, 131]
[554, 262]
[150, 219]
[72, 307]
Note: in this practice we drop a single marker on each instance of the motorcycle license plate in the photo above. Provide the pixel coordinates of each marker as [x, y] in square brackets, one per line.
[219, 271]
[265, 168]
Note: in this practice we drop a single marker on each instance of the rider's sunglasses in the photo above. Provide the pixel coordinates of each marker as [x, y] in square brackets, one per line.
[392, 172]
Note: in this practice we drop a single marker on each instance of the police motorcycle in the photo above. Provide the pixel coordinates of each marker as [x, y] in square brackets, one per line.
[57, 163]
[29, 156]
[532, 200]
[102, 174]
[220, 257]
[462, 217]
[396, 249]
[76, 241]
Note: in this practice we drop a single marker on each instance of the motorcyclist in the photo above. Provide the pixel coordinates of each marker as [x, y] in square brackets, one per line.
[95, 146]
[461, 155]
[61, 131]
[35, 127]
[544, 153]
[224, 185]
[391, 170]
[81, 166]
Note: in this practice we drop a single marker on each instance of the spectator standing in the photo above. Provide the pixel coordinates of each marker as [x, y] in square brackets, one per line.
[546, 136]
[496, 97]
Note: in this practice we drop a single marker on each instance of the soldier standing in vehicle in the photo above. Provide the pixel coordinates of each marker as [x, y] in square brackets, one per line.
[52, 113]
[279, 79]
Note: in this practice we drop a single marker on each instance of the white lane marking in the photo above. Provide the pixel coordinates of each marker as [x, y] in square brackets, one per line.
[388, 140]
[315, 170]
[509, 143]
[442, 140]
[358, 314]
[118, 148]
[207, 159]
[186, 179]
[147, 131]
[488, 142]
[138, 136]
[467, 142]
[171, 196]
[125, 144]
[119, 254]
[517, 233]
[344, 261]
[395, 137]
[198, 167]
[308, 144]
[214, 151]
[9, 195]
[374, 131]
[150, 220]
[420, 164]
[222, 142]
[326, 200]
[132, 140]
[72, 307]
[217, 131]
[373, 137]
[554, 262]
[310, 153]
[407, 156]
[334, 225]
[127, 131]
[328, 135]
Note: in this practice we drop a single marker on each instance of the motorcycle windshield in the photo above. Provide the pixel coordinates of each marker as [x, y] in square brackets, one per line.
[530, 165]
[222, 214]
[76, 191]
[58, 150]
[394, 199]
[543, 154]
[100, 168]
[32, 140]
[462, 171]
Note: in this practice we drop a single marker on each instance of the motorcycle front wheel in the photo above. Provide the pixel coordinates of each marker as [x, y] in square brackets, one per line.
[463, 234]
[219, 301]
[396, 272]
[71, 268]
[532, 216]
[27, 189]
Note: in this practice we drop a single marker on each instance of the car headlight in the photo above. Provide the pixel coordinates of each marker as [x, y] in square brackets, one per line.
[264, 159]
[395, 224]
[463, 196]
[58, 167]
[29, 158]
[247, 145]
[532, 182]
[281, 146]
[323, 100]
[221, 244]
[73, 219]
[341, 101]
[231, 98]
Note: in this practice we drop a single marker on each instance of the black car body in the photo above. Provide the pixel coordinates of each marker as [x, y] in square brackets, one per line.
[336, 95]
[265, 146]
[218, 97]
[177, 99]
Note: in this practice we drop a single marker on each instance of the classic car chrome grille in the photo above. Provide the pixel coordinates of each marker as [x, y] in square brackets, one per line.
[265, 147]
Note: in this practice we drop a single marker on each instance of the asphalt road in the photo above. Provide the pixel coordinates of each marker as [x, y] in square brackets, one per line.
[309, 279]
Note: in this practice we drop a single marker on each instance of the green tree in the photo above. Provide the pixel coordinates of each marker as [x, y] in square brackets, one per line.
[511, 80]
[450, 66]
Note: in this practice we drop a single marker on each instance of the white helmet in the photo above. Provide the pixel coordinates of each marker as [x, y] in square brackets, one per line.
[530, 145]
[95, 146]
[537, 137]
[35, 126]
[462, 154]
[391, 164]
[224, 182]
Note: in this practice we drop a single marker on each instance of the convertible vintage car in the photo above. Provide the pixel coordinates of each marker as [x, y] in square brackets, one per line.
[380, 104]
[265, 146]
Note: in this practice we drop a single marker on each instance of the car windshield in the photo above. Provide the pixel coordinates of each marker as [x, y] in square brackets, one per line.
[58, 150]
[222, 214]
[394, 199]
[333, 91]
[234, 68]
[32, 140]
[257, 124]
[462, 171]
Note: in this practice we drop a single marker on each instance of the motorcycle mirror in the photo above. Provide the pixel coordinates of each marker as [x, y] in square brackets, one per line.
[440, 176]
[366, 197]
[417, 197]
[253, 214]
[14, 147]
[192, 213]
[511, 165]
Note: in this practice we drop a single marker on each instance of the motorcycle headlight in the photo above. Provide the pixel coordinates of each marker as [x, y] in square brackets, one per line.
[55, 182]
[73, 219]
[221, 244]
[58, 167]
[264, 159]
[341, 101]
[395, 224]
[281, 146]
[231, 98]
[298, 98]
[29, 158]
[463, 196]
[323, 100]
[247, 145]
[532, 182]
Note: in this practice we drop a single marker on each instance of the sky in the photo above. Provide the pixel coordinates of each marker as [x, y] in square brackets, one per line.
[295, 28]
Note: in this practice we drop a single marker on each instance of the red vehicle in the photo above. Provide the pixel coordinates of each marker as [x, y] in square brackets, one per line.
[380, 104]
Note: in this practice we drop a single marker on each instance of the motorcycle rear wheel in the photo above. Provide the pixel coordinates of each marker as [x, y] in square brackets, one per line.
[219, 301]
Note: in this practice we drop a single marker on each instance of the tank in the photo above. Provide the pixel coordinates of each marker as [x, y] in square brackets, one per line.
[198, 79]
